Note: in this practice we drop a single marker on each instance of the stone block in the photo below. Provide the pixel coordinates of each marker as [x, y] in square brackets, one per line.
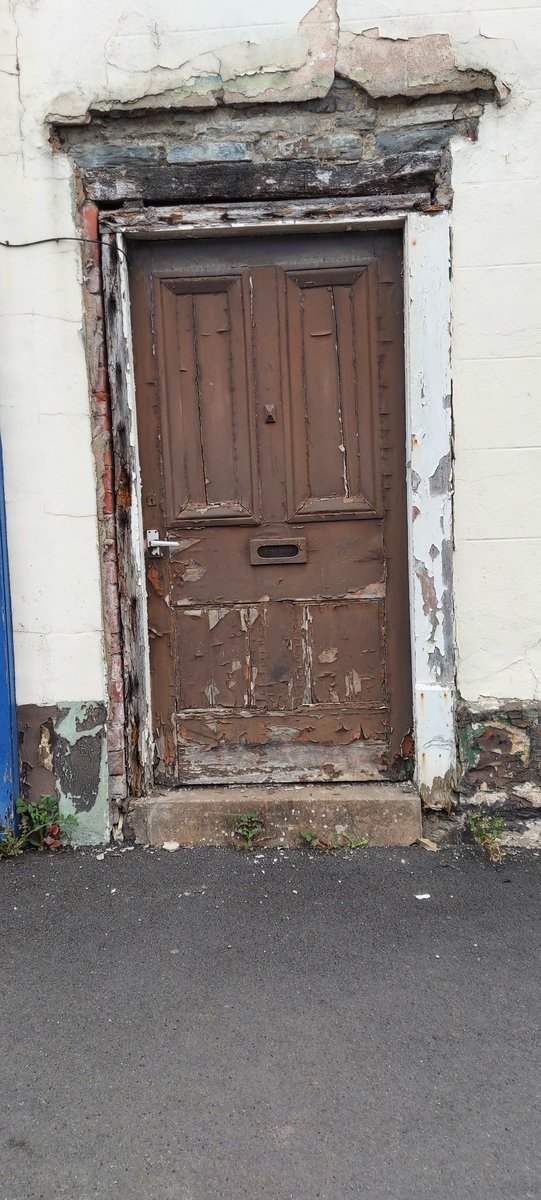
[208, 152]
[387, 814]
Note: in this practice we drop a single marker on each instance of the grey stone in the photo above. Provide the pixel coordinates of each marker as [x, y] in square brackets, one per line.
[424, 137]
[106, 155]
[204, 152]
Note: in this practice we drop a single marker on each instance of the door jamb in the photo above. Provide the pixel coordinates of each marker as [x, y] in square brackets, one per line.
[429, 453]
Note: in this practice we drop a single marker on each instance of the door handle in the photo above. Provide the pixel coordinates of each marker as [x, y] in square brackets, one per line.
[155, 545]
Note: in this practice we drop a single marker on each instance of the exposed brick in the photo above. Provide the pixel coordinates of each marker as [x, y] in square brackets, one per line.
[113, 620]
[116, 667]
[90, 217]
[118, 789]
[115, 739]
[101, 435]
[110, 571]
[116, 762]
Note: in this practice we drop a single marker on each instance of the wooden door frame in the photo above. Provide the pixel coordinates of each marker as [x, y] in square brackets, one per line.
[429, 456]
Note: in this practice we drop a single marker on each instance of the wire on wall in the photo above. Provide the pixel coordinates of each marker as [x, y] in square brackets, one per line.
[47, 241]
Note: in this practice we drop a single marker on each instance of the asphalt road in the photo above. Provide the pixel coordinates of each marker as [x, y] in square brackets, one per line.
[209, 1025]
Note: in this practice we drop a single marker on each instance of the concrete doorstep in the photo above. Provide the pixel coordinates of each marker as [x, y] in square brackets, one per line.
[386, 814]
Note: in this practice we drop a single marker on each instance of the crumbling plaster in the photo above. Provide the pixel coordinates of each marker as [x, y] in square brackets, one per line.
[147, 67]
[126, 59]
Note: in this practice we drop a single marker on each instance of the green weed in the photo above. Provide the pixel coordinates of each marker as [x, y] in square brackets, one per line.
[41, 826]
[351, 842]
[248, 827]
[486, 831]
[339, 839]
[10, 844]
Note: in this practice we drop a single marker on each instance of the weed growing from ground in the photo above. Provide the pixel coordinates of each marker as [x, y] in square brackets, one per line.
[41, 826]
[248, 827]
[339, 839]
[10, 844]
[351, 842]
[487, 831]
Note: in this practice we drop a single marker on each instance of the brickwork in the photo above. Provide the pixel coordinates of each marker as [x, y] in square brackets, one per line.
[103, 456]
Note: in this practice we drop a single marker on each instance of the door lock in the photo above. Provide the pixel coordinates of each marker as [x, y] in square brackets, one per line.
[156, 545]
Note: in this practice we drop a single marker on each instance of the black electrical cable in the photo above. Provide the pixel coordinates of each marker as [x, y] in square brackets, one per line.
[48, 241]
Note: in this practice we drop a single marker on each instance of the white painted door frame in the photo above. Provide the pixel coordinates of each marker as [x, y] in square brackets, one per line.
[429, 457]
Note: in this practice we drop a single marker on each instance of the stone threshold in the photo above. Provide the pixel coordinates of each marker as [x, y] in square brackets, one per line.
[388, 814]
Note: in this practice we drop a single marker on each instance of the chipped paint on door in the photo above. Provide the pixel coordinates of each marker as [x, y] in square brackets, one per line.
[271, 430]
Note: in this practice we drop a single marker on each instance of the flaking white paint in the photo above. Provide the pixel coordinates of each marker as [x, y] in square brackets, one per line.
[427, 301]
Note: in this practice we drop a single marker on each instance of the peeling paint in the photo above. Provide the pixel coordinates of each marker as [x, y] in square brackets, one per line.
[45, 747]
[428, 590]
[353, 684]
[440, 479]
[270, 69]
[413, 67]
[500, 765]
[64, 753]
[215, 615]
[498, 748]
[429, 417]
[146, 74]
[328, 656]
[438, 796]
[191, 571]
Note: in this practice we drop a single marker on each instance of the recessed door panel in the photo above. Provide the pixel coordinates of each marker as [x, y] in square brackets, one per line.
[208, 451]
[328, 324]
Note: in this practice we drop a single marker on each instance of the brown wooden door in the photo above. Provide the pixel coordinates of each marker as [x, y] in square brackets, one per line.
[269, 380]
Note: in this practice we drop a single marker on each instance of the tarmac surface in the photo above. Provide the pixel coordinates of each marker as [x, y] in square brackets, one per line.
[211, 1025]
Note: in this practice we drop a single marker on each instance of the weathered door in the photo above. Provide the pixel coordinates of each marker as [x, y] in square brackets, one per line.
[269, 380]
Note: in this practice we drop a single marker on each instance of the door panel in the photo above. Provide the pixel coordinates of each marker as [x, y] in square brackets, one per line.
[272, 445]
[202, 351]
[216, 567]
[281, 657]
[328, 328]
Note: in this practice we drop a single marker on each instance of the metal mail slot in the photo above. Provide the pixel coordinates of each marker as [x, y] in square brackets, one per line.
[270, 552]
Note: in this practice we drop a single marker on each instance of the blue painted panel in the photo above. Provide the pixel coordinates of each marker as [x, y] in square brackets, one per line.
[9, 757]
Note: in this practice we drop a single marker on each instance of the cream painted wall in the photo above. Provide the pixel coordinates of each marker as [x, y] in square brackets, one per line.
[496, 230]
[58, 56]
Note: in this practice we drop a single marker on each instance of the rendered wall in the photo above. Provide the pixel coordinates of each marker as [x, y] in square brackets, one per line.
[57, 59]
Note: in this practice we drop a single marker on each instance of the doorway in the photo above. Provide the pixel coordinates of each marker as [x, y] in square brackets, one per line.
[270, 408]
